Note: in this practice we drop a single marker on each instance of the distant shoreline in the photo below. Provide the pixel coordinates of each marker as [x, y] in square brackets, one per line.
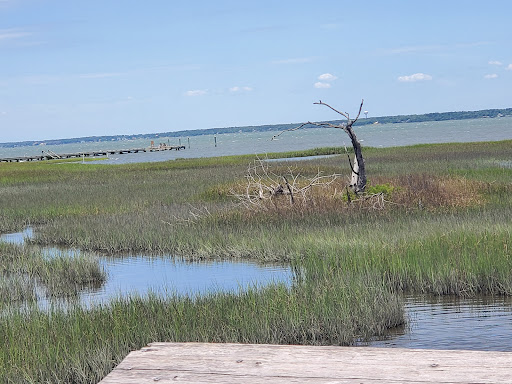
[438, 116]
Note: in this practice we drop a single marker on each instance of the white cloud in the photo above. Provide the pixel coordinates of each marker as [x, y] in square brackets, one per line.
[327, 77]
[321, 85]
[495, 62]
[415, 77]
[491, 76]
[509, 67]
[240, 89]
[196, 92]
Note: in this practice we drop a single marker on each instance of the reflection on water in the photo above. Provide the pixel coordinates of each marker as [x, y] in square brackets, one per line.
[138, 274]
[162, 274]
[480, 323]
[18, 237]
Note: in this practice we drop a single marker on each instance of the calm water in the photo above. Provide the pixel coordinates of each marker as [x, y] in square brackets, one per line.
[481, 323]
[161, 274]
[378, 135]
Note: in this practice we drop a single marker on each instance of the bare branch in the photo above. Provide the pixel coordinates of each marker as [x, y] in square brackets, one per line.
[264, 187]
[320, 102]
[360, 108]
[330, 125]
[323, 125]
[291, 129]
[292, 200]
[345, 114]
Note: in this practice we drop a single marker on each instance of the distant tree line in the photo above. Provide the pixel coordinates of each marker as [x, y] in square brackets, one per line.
[441, 116]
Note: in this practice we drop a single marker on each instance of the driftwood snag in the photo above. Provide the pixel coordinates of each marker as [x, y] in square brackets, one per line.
[358, 178]
[263, 186]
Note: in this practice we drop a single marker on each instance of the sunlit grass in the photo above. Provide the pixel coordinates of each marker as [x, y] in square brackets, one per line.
[444, 229]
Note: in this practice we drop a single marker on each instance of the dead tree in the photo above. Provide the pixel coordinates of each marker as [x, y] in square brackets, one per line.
[358, 179]
[264, 186]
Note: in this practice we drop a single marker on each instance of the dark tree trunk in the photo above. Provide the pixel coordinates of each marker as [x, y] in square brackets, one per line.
[358, 180]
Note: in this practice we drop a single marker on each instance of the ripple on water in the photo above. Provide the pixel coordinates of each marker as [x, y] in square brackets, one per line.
[480, 323]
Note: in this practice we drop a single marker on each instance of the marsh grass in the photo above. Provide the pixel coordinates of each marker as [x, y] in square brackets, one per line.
[446, 229]
[82, 346]
[16, 289]
[23, 269]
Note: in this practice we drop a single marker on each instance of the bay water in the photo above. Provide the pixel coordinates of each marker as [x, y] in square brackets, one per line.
[241, 143]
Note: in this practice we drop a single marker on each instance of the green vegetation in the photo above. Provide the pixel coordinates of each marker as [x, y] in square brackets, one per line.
[82, 346]
[437, 221]
[23, 270]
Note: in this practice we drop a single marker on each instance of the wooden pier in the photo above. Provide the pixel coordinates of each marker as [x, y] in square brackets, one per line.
[254, 364]
[49, 155]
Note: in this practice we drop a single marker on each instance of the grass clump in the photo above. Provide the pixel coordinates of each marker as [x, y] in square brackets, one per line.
[24, 269]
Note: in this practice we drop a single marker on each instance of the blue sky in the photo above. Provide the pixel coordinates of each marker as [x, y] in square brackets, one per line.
[88, 68]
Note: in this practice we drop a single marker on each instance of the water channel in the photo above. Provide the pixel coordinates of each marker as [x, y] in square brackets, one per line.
[138, 274]
[481, 323]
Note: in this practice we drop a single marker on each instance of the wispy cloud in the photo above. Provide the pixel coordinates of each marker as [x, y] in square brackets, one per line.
[509, 67]
[11, 34]
[296, 60]
[432, 47]
[321, 85]
[42, 79]
[100, 75]
[330, 26]
[5, 3]
[237, 89]
[495, 62]
[45, 79]
[196, 92]
[414, 49]
[415, 77]
[491, 76]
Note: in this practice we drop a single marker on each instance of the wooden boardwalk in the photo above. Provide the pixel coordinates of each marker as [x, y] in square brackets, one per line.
[49, 155]
[254, 364]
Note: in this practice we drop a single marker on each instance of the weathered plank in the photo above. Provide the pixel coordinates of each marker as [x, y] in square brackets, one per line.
[254, 364]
